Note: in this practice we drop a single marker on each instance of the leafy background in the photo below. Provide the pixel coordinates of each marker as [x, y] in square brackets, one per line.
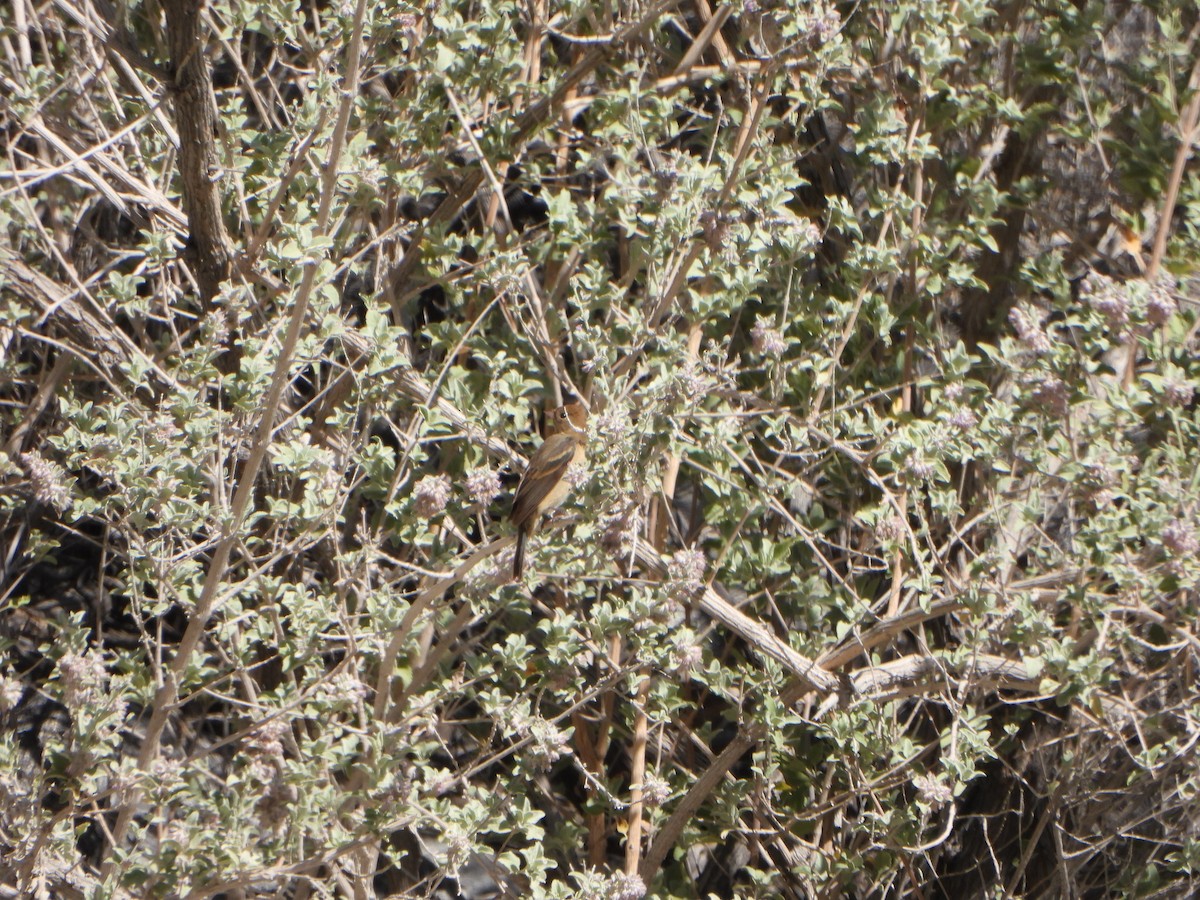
[881, 580]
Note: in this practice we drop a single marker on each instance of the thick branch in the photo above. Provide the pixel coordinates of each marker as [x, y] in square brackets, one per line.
[196, 120]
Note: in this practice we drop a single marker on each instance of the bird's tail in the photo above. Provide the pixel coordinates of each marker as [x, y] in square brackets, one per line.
[519, 556]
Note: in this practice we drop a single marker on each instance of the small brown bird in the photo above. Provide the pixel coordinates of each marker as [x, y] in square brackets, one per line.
[544, 484]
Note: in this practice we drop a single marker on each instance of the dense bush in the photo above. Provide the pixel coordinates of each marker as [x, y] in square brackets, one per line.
[881, 580]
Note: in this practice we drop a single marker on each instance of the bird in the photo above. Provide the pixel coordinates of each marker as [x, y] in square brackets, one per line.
[544, 484]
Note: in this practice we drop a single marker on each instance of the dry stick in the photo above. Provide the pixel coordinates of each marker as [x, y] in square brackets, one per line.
[815, 678]
[36, 178]
[921, 674]
[556, 271]
[668, 84]
[1187, 134]
[56, 254]
[637, 775]
[265, 110]
[658, 530]
[100, 50]
[34, 125]
[712, 25]
[106, 26]
[899, 574]
[498, 203]
[46, 390]
[741, 744]
[533, 43]
[883, 631]
[760, 638]
[150, 197]
[538, 334]
[447, 636]
[597, 837]
[21, 26]
[590, 759]
[742, 146]
[390, 712]
[277, 873]
[1049, 814]
[99, 330]
[167, 695]
[299, 158]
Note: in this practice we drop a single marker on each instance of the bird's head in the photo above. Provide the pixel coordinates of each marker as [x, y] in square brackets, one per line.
[571, 418]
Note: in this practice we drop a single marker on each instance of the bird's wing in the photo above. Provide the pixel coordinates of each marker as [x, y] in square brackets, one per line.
[546, 470]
